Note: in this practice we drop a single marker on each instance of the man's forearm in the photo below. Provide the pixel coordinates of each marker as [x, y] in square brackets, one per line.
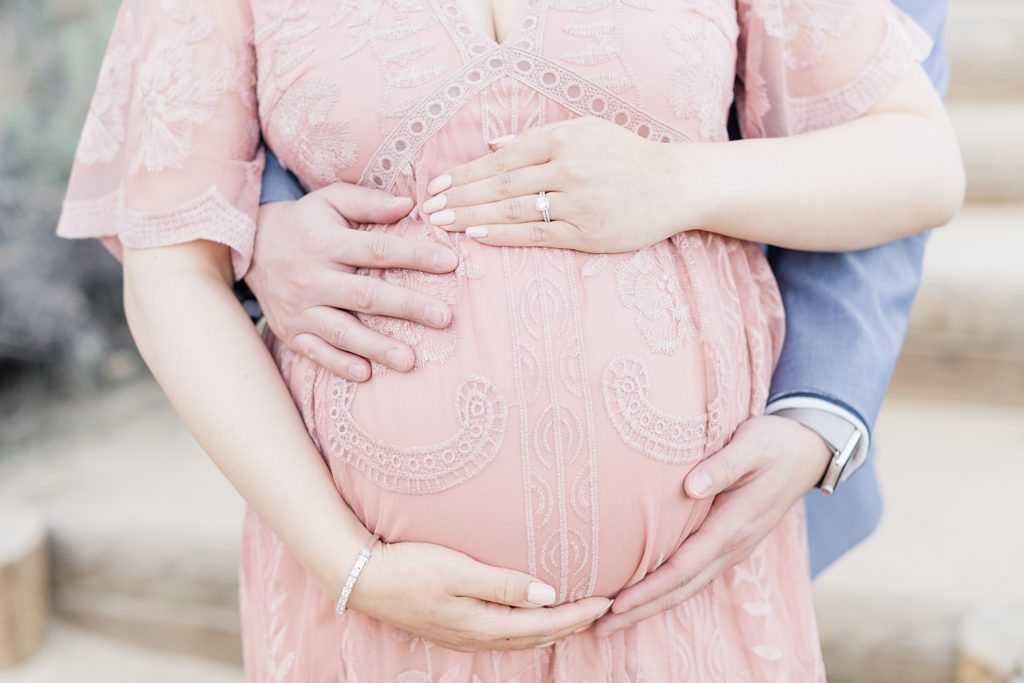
[847, 313]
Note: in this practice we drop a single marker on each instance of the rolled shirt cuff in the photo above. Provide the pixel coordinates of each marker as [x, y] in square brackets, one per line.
[806, 402]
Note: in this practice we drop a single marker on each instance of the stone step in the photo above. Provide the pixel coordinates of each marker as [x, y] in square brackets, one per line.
[74, 655]
[145, 531]
[146, 536]
[985, 39]
[951, 540]
[966, 333]
[992, 142]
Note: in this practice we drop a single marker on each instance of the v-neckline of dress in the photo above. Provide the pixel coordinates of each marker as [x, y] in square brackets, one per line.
[526, 10]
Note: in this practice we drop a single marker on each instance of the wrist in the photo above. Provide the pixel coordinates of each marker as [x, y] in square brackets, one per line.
[697, 184]
[370, 583]
[815, 455]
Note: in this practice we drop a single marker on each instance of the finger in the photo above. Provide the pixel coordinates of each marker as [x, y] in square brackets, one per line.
[517, 183]
[325, 355]
[613, 622]
[346, 332]
[515, 210]
[530, 148]
[496, 639]
[699, 550]
[365, 249]
[360, 204]
[372, 295]
[541, 641]
[546, 623]
[726, 468]
[556, 234]
[503, 586]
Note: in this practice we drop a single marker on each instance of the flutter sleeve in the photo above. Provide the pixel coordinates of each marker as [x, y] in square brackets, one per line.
[811, 64]
[170, 151]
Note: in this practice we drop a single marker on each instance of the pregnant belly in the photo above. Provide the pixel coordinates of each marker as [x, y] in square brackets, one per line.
[550, 428]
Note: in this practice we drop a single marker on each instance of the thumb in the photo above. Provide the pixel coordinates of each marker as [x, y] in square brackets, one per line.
[505, 586]
[720, 471]
[358, 204]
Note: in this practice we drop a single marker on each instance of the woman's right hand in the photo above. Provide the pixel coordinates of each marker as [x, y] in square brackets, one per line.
[451, 599]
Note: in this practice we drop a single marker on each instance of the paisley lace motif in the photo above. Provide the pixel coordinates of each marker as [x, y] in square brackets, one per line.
[481, 414]
[431, 346]
[645, 428]
[648, 284]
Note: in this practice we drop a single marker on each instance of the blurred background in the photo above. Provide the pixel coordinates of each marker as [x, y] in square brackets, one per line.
[119, 539]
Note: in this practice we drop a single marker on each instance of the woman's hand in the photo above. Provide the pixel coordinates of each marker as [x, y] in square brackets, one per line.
[450, 599]
[607, 187]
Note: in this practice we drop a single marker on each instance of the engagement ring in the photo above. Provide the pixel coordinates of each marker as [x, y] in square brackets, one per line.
[542, 204]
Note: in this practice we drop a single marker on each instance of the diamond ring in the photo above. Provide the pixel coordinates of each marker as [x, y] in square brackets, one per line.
[543, 204]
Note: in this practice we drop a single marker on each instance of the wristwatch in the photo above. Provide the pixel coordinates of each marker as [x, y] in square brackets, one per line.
[843, 436]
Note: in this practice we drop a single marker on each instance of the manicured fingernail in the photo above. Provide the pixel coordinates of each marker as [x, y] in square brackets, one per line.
[439, 184]
[606, 609]
[398, 359]
[445, 217]
[540, 594]
[700, 483]
[435, 203]
[445, 260]
[400, 203]
[435, 314]
[359, 372]
[500, 139]
[477, 231]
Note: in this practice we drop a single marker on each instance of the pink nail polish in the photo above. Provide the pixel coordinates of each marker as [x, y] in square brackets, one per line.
[435, 203]
[477, 231]
[500, 139]
[445, 217]
[439, 184]
[700, 482]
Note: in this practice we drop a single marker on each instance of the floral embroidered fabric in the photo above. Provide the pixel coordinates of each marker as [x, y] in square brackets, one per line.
[550, 428]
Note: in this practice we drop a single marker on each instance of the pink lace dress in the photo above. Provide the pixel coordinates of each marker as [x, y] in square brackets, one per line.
[550, 428]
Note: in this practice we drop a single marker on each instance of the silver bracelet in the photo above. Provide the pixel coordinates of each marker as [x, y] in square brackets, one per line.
[357, 569]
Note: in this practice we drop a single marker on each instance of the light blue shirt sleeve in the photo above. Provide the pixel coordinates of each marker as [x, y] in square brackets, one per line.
[846, 316]
[279, 185]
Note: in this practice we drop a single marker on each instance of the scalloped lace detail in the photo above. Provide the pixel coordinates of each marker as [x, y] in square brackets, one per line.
[805, 25]
[901, 46]
[551, 80]
[210, 216]
[645, 428]
[480, 411]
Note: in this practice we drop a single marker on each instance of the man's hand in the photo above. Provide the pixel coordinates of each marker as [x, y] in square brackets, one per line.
[768, 466]
[303, 274]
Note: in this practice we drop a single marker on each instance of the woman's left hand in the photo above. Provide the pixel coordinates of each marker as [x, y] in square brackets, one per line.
[609, 190]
